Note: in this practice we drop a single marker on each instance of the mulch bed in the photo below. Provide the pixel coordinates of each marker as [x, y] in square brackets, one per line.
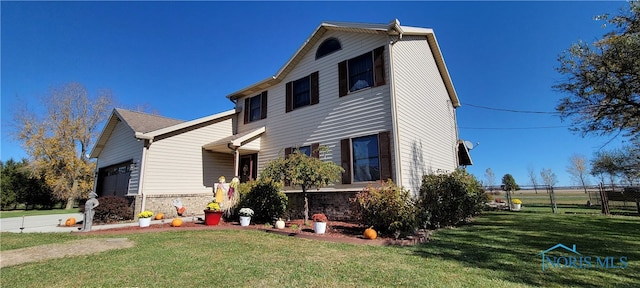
[337, 231]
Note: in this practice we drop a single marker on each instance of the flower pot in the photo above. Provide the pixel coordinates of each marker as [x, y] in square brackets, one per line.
[144, 222]
[515, 207]
[244, 221]
[212, 218]
[320, 227]
[279, 224]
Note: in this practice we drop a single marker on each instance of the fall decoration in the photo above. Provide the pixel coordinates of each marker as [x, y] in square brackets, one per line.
[369, 233]
[159, 216]
[177, 222]
[70, 221]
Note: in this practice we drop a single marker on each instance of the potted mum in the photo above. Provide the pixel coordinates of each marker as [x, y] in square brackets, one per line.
[144, 218]
[319, 223]
[212, 214]
[245, 216]
[515, 204]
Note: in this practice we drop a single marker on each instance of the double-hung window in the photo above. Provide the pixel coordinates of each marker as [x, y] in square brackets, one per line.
[366, 158]
[302, 92]
[366, 70]
[255, 108]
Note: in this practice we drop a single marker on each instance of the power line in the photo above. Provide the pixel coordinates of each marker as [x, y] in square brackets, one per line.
[512, 110]
[511, 128]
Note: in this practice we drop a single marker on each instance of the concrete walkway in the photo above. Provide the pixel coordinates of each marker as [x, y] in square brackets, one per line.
[50, 223]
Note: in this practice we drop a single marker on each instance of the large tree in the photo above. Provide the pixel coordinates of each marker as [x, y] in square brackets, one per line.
[578, 170]
[58, 138]
[607, 163]
[603, 79]
[303, 170]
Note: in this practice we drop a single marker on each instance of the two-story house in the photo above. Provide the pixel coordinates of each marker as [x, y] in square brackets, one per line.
[378, 97]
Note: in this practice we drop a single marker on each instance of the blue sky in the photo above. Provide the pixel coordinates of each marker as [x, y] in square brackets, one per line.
[180, 60]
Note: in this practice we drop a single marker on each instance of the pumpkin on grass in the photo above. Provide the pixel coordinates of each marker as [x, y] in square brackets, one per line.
[369, 233]
[177, 222]
[70, 221]
[159, 216]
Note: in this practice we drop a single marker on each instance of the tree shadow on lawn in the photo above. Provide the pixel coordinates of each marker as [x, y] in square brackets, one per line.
[509, 243]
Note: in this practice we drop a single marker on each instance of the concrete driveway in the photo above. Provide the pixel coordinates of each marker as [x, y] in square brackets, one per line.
[41, 223]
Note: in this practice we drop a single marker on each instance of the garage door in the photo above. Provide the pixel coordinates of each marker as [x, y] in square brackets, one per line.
[114, 180]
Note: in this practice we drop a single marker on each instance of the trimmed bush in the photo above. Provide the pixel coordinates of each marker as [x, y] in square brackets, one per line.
[450, 199]
[387, 207]
[111, 209]
[265, 198]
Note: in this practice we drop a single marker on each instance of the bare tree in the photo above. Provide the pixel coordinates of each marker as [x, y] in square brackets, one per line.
[533, 178]
[491, 179]
[578, 170]
[58, 139]
[549, 179]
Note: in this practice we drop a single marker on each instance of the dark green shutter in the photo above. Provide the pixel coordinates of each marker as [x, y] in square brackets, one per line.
[315, 150]
[345, 152]
[263, 112]
[384, 143]
[378, 66]
[289, 96]
[246, 110]
[342, 78]
[315, 89]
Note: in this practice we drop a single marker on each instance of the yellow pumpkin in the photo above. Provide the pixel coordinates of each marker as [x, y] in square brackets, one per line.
[369, 233]
[177, 222]
[159, 216]
[70, 221]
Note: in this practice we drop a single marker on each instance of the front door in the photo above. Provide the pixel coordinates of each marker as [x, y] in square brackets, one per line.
[248, 167]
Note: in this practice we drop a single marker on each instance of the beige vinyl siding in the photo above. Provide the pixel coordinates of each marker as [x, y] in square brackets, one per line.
[426, 117]
[179, 165]
[122, 146]
[364, 112]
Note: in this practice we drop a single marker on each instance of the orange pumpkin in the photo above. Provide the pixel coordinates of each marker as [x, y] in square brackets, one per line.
[369, 233]
[159, 216]
[177, 222]
[70, 221]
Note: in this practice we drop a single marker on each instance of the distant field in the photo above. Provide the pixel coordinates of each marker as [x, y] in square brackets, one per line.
[569, 201]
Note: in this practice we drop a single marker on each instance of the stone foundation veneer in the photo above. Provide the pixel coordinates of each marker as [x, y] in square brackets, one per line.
[163, 203]
[336, 205]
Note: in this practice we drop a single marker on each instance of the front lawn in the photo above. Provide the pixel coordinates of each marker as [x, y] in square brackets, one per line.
[498, 250]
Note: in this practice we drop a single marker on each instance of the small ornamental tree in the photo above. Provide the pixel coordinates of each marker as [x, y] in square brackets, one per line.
[300, 169]
[509, 184]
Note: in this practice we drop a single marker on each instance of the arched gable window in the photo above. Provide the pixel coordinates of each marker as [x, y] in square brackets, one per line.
[327, 47]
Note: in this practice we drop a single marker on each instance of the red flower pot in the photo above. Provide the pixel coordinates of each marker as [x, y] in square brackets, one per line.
[212, 218]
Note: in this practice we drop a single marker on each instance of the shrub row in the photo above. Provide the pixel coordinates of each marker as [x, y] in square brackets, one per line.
[443, 200]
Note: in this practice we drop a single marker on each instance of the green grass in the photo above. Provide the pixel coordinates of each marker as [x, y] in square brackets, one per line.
[20, 213]
[497, 250]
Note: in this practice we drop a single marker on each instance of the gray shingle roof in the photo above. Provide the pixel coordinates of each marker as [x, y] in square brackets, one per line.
[143, 122]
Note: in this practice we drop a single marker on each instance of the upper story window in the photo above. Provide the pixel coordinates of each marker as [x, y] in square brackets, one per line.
[327, 47]
[302, 92]
[366, 70]
[255, 108]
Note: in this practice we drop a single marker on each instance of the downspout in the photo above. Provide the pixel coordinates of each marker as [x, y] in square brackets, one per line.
[394, 113]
